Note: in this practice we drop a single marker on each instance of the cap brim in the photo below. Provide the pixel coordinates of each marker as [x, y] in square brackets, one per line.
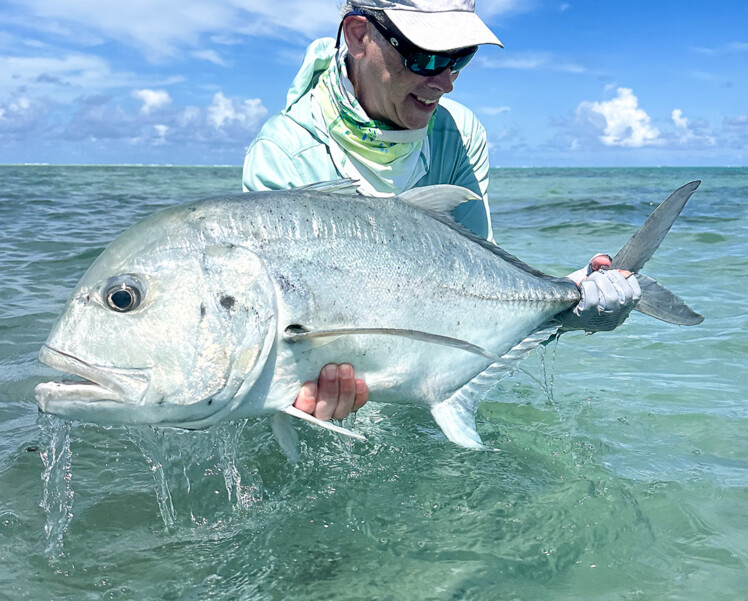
[442, 31]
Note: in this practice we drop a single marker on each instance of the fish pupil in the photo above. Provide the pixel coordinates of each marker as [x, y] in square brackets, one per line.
[122, 299]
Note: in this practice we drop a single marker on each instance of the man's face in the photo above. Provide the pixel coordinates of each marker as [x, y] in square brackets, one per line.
[392, 93]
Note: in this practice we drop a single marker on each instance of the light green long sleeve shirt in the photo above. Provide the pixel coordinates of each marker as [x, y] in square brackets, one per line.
[289, 152]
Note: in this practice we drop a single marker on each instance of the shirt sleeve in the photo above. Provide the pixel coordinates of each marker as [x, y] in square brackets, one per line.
[286, 155]
[268, 167]
[472, 172]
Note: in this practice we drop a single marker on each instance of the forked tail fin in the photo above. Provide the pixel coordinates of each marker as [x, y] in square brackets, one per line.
[657, 301]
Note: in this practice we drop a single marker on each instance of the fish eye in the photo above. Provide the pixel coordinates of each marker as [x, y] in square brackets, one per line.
[123, 294]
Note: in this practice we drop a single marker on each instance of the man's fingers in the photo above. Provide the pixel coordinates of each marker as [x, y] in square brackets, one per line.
[614, 289]
[307, 399]
[346, 391]
[634, 283]
[607, 298]
[590, 296]
[327, 392]
[336, 394]
[362, 394]
[599, 261]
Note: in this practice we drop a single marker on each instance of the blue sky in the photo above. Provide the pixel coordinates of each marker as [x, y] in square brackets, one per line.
[580, 83]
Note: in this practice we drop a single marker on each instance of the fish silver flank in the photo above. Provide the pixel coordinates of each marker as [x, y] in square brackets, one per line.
[220, 309]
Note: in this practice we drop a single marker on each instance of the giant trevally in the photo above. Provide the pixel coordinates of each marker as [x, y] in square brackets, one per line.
[220, 309]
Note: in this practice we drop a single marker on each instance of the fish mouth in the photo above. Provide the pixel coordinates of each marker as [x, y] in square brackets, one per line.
[99, 384]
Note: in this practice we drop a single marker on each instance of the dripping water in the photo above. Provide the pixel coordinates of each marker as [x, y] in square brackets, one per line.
[547, 354]
[229, 437]
[149, 441]
[185, 464]
[57, 498]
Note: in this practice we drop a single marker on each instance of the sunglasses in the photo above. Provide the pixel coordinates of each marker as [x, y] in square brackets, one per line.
[420, 62]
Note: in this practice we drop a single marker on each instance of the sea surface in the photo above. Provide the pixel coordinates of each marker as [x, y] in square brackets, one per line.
[620, 469]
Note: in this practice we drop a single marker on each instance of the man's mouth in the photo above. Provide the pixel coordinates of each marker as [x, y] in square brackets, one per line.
[426, 101]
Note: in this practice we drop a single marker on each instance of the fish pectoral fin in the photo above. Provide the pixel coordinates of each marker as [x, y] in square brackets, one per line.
[286, 436]
[456, 415]
[294, 412]
[298, 333]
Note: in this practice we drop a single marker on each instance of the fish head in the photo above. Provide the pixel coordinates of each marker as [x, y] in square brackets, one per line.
[161, 330]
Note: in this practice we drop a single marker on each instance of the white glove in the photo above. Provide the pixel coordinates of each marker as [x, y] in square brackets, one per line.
[608, 296]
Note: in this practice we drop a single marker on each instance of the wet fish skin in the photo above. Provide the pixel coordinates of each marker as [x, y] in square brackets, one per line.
[426, 312]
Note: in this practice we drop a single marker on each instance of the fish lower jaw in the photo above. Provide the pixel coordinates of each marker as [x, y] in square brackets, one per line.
[98, 383]
[49, 393]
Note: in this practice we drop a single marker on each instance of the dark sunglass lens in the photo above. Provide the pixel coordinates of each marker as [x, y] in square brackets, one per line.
[462, 61]
[423, 63]
[428, 64]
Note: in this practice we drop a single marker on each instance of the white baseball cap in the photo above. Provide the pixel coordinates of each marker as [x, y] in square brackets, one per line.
[435, 25]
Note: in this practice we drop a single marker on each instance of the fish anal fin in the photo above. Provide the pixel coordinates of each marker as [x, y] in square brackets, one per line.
[456, 415]
[456, 418]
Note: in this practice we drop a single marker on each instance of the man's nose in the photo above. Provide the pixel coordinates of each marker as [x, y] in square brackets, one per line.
[443, 81]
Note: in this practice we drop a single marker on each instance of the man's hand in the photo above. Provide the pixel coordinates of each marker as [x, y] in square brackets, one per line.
[608, 296]
[335, 394]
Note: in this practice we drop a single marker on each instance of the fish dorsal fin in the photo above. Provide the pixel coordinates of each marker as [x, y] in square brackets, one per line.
[344, 186]
[493, 248]
[440, 199]
[456, 415]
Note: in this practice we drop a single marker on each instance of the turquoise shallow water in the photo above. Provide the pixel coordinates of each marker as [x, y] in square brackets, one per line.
[622, 463]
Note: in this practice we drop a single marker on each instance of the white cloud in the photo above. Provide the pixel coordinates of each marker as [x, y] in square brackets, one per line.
[679, 120]
[161, 131]
[191, 115]
[691, 134]
[77, 70]
[731, 48]
[246, 115]
[209, 55]
[225, 125]
[21, 113]
[682, 129]
[492, 8]
[493, 110]
[620, 121]
[529, 61]
[160, 28]
[152, 100]
[737, 124]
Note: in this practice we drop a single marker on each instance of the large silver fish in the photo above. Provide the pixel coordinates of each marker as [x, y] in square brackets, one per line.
[220, 309]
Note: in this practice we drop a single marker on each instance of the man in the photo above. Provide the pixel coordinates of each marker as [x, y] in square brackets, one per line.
[369, 106]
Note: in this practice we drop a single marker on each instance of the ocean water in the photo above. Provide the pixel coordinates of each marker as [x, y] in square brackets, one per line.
[621, 470]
